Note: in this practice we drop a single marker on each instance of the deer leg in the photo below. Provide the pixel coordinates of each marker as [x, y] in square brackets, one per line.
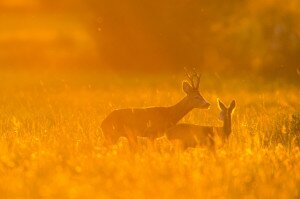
[132, 141]
[211, 145]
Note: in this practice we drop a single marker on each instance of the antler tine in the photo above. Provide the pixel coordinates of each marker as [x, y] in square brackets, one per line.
[198, 77]
[195, 75]
[198, 80]
[189, 77]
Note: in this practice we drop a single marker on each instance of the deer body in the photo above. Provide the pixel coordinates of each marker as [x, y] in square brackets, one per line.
[148, 122]
[195, 135]
[154, 121]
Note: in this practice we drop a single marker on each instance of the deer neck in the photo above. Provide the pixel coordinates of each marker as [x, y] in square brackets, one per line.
[227, 127]
[179, 110]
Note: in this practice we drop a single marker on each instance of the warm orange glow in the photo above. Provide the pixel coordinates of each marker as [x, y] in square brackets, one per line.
[95, 101]
[241, 35]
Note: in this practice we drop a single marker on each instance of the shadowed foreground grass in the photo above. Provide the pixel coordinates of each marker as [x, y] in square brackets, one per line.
[51, 141]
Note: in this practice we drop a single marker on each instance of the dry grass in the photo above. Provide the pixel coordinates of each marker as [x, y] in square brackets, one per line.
[51, 141]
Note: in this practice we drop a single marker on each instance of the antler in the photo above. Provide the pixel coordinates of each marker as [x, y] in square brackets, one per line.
[189, 77]
[198, 77]
[192, 77]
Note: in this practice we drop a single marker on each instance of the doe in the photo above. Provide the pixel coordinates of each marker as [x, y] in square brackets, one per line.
[190, 135]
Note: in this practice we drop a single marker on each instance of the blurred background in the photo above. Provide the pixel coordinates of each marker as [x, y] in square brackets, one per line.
[261, 37]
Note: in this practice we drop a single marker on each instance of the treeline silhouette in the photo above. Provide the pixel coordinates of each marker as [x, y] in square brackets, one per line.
[235, 35]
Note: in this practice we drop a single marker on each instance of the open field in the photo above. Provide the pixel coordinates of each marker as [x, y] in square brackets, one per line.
[65, 65]
[51, 141]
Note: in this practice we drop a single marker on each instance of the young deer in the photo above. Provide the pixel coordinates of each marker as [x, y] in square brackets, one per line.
[154, 121]
[195, 135]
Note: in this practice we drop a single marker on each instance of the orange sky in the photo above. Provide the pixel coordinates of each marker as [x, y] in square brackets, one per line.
[134, 35]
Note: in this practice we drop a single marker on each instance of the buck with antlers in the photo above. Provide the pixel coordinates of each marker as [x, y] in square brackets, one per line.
[195, 135]
[154, 121]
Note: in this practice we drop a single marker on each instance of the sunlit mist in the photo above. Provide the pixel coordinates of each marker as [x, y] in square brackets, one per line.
[149, 99]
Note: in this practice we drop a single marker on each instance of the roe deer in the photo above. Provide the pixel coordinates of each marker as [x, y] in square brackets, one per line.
[154, 121]
[191, 135]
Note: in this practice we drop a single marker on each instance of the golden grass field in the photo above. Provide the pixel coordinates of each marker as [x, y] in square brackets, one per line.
[51, 143]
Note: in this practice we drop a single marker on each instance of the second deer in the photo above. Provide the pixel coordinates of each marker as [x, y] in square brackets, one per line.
[191, 135]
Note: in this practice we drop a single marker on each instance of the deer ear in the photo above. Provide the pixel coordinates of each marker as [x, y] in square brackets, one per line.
[186, 87]
[232, 106]
[221, 105]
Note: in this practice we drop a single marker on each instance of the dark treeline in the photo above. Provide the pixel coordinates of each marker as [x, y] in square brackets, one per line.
[235, 35]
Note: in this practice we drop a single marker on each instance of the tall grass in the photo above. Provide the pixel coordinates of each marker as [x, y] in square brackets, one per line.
[51, 141]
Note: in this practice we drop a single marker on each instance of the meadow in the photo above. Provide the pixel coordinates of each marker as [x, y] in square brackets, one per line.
[51, 144]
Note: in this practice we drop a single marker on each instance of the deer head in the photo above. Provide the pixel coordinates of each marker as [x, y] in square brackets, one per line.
[191, 88]
[225, 116]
